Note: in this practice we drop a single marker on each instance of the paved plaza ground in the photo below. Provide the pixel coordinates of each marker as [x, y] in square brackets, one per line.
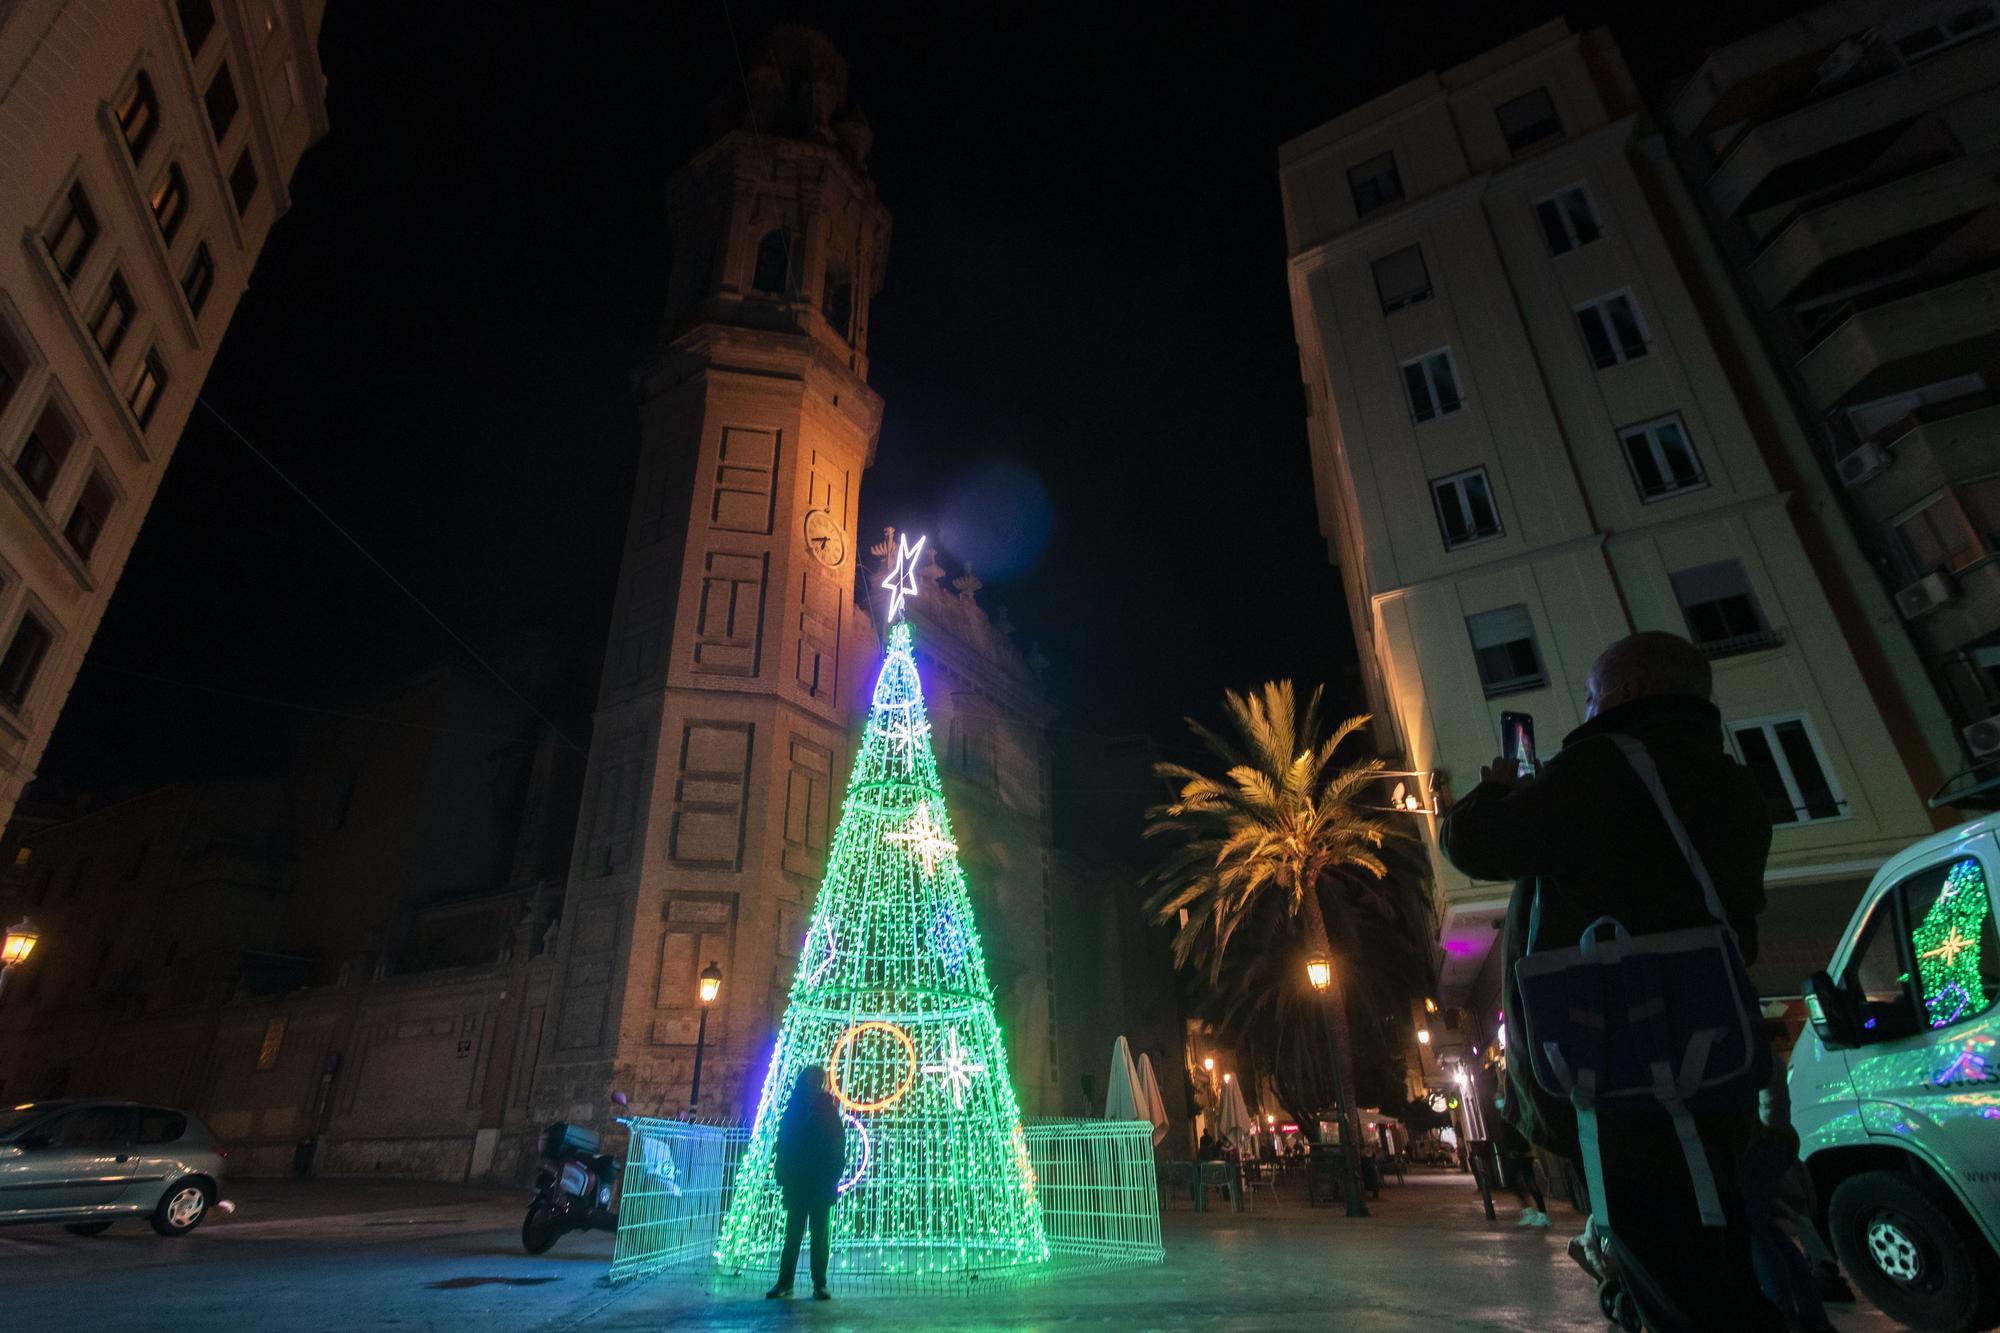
[334, 1256]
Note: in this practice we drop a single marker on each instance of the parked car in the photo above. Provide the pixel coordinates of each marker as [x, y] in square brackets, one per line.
[88, 1163]
[1896, 1086]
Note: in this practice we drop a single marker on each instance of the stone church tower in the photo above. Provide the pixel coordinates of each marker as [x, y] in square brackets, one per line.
[722, 723]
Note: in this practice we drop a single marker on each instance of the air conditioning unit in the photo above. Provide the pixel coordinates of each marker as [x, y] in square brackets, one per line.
[1983, 738]
[1860, 464]
[1927, 594]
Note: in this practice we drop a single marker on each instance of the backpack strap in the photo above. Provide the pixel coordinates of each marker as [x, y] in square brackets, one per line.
[1649, 774]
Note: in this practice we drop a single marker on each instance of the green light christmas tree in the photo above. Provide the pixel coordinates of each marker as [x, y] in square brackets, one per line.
[892, 999]
[1947, 945]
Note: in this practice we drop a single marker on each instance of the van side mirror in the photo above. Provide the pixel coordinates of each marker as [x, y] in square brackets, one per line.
[1831, 1012]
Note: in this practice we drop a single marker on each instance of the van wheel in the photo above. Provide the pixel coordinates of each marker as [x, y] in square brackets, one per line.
[1914, 1259]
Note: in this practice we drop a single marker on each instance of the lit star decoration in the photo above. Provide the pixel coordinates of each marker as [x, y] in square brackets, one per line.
[926, 839]
[902, 580]
[957, 1068]
[891, 998]
[1947, 943]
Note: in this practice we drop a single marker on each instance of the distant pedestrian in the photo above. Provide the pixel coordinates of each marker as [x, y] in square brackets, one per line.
[812, 1146]
[1516, 1157]
[1599, 833]
[1206, 1151]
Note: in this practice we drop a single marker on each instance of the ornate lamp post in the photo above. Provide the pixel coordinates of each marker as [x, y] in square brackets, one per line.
[711, 986]
[1320, 972]
[20, 941]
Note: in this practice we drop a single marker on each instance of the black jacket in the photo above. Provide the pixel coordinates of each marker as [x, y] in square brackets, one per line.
[1585, 840]
[812, 1146]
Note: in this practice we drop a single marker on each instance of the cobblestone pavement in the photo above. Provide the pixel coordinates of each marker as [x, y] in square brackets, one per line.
[333, 1256]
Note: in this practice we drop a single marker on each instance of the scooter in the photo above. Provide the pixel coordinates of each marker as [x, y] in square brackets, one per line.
[573, 1190]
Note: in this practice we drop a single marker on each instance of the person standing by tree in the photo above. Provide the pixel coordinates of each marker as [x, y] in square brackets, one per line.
[812, 1144]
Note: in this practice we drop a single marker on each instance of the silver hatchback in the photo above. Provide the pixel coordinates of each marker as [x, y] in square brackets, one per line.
[88, 1163]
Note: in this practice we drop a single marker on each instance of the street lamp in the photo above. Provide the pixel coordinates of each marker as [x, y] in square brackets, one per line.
[1208, 1063]
[1423, 1036]
[1320, 972]
[20, 941]
[711, 985]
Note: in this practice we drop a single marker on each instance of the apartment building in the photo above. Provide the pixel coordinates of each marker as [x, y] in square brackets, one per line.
[1848, 163]
[1538, 424]
[145, 150]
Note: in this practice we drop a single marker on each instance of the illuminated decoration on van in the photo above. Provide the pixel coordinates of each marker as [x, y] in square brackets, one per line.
[1946, 943]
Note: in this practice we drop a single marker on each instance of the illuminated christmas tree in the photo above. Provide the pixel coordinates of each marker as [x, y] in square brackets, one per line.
[892, 1000]
[1947, 944]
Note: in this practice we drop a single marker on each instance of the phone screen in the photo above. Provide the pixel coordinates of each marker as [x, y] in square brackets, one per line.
[1517, 740]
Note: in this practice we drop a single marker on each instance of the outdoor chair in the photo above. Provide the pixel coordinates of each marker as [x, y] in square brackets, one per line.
[1257, 1176]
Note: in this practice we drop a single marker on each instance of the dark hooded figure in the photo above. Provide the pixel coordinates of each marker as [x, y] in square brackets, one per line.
[812, 1145]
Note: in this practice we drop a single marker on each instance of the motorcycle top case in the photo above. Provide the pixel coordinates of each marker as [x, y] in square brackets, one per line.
[562, 1138]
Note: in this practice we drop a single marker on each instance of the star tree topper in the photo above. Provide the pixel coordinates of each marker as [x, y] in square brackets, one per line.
[902, 580]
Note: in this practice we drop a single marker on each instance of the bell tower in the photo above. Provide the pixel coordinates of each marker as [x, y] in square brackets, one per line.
[722, 723]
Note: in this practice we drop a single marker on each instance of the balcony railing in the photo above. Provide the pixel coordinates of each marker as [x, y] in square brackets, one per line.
[1738, 644]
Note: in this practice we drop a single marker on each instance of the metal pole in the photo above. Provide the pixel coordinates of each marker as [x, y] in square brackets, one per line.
[3, 977]
[700, 1040]
[1350, 1156]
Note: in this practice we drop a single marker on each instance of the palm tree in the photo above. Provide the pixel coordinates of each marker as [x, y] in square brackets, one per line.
[1260, 855]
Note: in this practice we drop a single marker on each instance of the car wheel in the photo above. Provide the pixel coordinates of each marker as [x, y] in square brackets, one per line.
[181, 1208]
[87, 1228]
[1912, 1257]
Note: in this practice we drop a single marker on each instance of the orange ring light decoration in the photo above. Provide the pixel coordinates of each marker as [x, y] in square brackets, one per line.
[845, 1040]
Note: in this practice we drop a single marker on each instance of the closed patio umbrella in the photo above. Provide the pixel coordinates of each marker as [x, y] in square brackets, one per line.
[1121, 1090]
[1155, 1108]
[1236, 1122]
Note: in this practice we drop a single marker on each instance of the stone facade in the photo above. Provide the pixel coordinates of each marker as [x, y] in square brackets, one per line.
[1539, 423]
[146, 149]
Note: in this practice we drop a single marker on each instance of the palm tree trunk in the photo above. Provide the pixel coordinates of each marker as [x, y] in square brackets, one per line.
[1317, 939]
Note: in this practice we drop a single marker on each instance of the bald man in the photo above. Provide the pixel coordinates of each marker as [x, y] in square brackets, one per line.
[1584, 839]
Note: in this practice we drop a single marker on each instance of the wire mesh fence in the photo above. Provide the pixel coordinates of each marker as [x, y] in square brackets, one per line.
[1094, 1181]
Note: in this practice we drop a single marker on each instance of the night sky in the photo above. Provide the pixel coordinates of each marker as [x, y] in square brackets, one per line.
[1086, 285]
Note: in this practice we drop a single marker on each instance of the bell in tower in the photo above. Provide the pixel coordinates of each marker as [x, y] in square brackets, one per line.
[722, 720]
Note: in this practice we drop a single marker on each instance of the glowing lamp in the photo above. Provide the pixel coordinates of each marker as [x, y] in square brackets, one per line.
[1270, 1120]
[1423, 1036]
[20, 942]
[1228, 1077]
[1430, 1005]
[711, 983]
[1208, 1063]
[1319, 972]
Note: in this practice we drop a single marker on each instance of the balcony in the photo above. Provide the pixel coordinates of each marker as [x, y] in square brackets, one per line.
[1773, 67]
[1824, 140]
[1890, 225]
[1896, 339]
[1736, 645]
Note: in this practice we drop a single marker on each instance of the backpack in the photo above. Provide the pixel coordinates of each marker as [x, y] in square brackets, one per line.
[1665, 1021]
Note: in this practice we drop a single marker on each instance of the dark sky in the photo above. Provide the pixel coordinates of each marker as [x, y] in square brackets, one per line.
[1086, 282]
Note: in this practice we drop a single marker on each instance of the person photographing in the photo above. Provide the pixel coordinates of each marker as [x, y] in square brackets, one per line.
[1643, 823]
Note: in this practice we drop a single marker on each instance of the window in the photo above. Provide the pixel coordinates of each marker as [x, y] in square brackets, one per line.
[1528, 120]
[1948, 914]
[243, 182]
[1962, 26]
[199, 279]
[1612, 329]
[1938, 536]
[170, 202]
[1401, 279]
[1465, 509]
[20, 663]
[273, 1043]
[147, 387]
[70, 240]
[93, 1127]
[139, 116]
[87, 519]
[837, 303]
[1375, 184]
[197, 20]
[220, 99]
[1663, 461]
[1431, 384]
[1503, 642]
[1568, 221]
[114, 316]
[778, 263]
[43, 452]
[1784, 756]
[13, 366]
[1720, 609]
[159, 1125]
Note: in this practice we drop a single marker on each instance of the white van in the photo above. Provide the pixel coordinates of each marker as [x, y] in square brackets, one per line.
[1896, 1085]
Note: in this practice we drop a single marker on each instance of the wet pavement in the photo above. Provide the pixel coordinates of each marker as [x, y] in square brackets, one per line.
[335, 1256]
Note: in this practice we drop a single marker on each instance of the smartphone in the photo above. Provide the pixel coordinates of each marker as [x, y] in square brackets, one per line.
[1517, 741]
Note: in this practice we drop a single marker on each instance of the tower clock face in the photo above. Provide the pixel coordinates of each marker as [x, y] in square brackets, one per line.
[824, 539]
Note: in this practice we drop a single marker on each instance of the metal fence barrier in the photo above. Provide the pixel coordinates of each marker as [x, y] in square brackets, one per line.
[1094, 1179]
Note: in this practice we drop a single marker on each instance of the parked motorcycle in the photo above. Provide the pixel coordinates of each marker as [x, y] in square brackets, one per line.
[572, 1191]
